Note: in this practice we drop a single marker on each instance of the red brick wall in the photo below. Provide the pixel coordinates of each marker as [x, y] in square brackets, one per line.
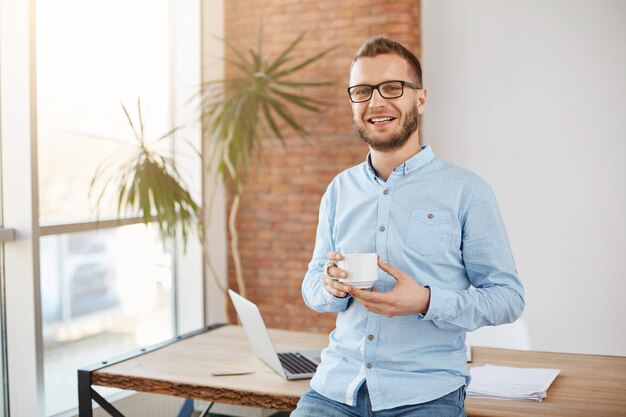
[278, 214]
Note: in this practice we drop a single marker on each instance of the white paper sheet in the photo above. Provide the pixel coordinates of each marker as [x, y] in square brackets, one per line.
[505, 382]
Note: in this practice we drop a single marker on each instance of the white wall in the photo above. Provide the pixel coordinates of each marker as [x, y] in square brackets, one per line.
[531, 95]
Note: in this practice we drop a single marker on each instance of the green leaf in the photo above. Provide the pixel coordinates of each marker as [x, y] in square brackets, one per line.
[303, 64]
[286, 115]
[168, 134]
[304, 102]
[270, 120]
[284, 56]
[238, 54]
[130, 121]
[140, 118]
[259, 36]
[256, 60]
[244, 68]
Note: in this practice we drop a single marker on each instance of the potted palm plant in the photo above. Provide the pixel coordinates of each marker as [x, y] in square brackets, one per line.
[239, 112]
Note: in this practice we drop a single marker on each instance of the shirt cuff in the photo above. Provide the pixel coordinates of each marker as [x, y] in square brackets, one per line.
[436, 307]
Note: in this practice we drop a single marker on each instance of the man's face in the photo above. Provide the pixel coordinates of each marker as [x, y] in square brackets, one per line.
[386, 124]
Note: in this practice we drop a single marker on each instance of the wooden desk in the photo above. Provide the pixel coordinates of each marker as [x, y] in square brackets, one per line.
[588, 385]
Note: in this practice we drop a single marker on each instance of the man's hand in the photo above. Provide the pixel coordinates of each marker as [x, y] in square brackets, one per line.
[407, 297]
[329, 277]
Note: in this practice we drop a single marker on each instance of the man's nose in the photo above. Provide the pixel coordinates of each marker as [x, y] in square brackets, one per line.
[377, 100]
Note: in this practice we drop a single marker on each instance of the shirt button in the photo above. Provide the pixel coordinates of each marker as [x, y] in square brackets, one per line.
[386, 191]
[430, 215]
[381, 228]
[369, 366]
[370, 337]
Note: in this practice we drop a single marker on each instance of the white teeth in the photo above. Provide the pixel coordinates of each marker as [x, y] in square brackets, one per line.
[381, 119]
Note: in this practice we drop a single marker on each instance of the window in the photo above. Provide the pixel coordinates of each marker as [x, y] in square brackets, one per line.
[88, 289]
[103, 291]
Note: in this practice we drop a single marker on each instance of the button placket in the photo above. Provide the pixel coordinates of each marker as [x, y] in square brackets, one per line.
[382, 228]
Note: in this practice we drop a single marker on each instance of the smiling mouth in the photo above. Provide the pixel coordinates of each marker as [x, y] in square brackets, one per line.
[380, 120]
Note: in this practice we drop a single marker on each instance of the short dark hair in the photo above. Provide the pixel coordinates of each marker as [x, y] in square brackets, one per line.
[379, 45]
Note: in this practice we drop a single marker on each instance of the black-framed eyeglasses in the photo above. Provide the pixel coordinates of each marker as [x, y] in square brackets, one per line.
[386, 89]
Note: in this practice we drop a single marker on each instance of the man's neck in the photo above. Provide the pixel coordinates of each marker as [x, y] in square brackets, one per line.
[384, 162]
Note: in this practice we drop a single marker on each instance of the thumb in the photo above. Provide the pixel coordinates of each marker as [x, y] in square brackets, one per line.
[395, 273]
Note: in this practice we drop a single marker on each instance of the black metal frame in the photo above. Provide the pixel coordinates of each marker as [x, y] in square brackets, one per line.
[86, 393]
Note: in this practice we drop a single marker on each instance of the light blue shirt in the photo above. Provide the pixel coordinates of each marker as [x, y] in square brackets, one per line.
[441, 225]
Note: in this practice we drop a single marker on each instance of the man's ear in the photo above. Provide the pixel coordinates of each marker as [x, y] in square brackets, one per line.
[421, 100]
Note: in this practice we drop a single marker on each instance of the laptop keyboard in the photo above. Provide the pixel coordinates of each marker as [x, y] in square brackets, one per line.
[296, 364]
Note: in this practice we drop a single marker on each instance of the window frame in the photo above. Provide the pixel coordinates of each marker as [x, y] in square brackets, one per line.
[18, 135]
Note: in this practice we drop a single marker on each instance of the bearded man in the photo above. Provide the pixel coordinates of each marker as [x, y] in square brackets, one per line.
[445, 265]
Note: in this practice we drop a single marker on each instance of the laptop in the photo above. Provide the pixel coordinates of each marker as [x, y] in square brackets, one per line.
[289, 365]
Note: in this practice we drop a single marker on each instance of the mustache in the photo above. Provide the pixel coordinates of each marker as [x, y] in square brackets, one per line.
[396, 140]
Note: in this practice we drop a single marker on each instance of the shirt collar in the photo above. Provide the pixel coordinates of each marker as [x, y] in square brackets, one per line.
[409, 166]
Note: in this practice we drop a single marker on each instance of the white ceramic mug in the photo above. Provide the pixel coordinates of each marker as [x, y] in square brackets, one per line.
[362, 269]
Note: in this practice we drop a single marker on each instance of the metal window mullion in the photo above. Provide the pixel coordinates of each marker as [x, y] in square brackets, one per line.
[75, 227]
[19, 165]
[172, 120]
[6, 234]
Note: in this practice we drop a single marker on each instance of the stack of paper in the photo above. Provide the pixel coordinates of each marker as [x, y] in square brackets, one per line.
[507, 383]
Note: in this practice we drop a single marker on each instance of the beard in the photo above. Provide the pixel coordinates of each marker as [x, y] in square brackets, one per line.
[397, 139]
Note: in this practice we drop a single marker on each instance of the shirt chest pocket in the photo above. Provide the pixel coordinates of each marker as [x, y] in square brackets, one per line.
[429, 231]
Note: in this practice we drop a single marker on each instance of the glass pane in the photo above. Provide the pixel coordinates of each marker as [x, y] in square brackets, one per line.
[91, 57]
[103, 293]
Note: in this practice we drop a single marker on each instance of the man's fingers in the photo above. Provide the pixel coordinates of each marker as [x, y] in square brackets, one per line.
[386, 267]
[336, 293]
[333, 271]
[336, 288]
[368, 302]
[334, 256]
[368, 296]
[331, 285]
